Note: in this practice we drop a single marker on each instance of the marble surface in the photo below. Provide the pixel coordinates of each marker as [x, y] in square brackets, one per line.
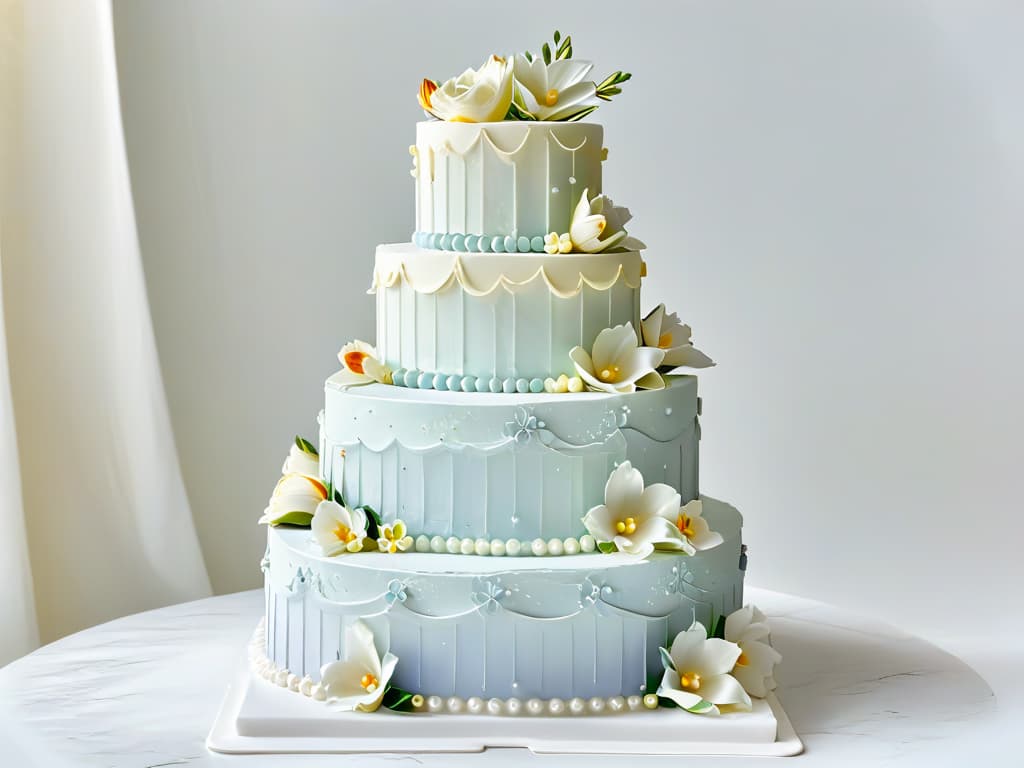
[142, 692]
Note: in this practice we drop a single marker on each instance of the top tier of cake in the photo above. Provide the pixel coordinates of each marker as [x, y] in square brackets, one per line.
[501, 186]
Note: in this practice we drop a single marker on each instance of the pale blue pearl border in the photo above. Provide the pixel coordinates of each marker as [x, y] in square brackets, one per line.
[462, 243]
[443, 382]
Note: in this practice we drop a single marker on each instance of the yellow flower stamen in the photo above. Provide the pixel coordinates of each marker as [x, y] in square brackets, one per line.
[742, 661]
[611, 373]
[369, 682]
[497, 58]
[665, 341]
[427, 88]
[627, 526]
[690, 681]
[551, 98]
[685, 525]
[354, 361]
[343, 533]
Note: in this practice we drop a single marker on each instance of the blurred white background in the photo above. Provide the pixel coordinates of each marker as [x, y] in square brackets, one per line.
[832, 195]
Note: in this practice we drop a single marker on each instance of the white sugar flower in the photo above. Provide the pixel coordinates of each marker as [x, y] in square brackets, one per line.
[755, 667]
[667, 333]
[476, 96]
[694, 528]
[358, 682]
[338, 529]
[301, 461]
[697, 673]
[361, 365]
[617, 363]
[294, 500]
[554, 91]
[599, 224]
[637, 520]
[556, 243]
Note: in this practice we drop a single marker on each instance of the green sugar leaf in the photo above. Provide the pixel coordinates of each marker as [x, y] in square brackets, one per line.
[296, 518]
[701, 707]
[545, 51]
[666, 659]
[558, 36]
[306, 447]
[606, 546]
[397, 699]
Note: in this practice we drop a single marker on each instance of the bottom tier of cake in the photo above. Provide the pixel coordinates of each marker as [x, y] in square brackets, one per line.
[586, 625]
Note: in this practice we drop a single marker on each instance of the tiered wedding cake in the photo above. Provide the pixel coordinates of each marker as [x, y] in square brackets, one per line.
[502, 515]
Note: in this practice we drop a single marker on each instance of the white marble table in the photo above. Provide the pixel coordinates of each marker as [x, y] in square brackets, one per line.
[142, 692]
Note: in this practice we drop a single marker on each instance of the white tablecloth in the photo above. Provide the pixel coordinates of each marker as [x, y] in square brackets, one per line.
[142, 692]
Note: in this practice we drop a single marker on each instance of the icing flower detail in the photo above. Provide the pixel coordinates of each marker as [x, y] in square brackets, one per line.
[294, 500]
[694, 528]
[488, 594]
[697, 673]
[525, 425]
[599, 224]
[360, 365]
[556, 243]
[563, 384]
[755, 667]
[338, 529]
[635, 519]
[393, 538]
[396, 592]
[617, 363]
[553, 90]
[358, 682]
[668, 333]
[476, 96]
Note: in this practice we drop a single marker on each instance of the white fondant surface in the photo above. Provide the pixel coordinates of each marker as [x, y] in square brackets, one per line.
[142, 691]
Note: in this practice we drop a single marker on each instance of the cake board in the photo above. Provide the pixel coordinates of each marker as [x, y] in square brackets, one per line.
[259, 717]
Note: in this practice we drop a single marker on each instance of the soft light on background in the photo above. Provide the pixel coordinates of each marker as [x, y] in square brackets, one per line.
[832, 195]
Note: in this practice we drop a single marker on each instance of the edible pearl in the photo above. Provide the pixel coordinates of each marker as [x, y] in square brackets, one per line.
[513, 706]
[455, 704]
[319, 693]
[555, 547]
[293, 682]
[497, 548]
[534, 706]
[539, 548]
[281, 678]
[587, 543]
[453, 544]
[475, 705]
[422, 543]
[468, 546]
[483, 547]
[596, 705]
[616, 703]
[512, 547]
[434, 703]
[651, 701]
[571, 546]
[494, 706]
[556, 706]
[437, 544]
[577, 706]
[634, 703]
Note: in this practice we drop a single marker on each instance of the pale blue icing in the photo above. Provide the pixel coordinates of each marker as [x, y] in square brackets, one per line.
[478, 243]
[444, 462]
[585, 625]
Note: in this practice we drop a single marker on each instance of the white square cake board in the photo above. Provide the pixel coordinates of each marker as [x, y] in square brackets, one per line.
[258, 717]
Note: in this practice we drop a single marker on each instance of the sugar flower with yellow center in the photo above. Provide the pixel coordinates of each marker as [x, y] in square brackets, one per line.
[556, 243]
[476, 96]
[361, 365]
[698, 673]
[599, 224]
[338, 529]
[694, 528]
[617, 363]
[635, 519]
[668, 333]
[300, 489]
[555, 90]
[755, 667]
[394, 538]
[358, 681]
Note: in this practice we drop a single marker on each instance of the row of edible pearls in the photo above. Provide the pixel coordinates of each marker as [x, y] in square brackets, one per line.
[537, 707]
[456, 241]
[414, 379]
[453, 545]
[453, 704]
